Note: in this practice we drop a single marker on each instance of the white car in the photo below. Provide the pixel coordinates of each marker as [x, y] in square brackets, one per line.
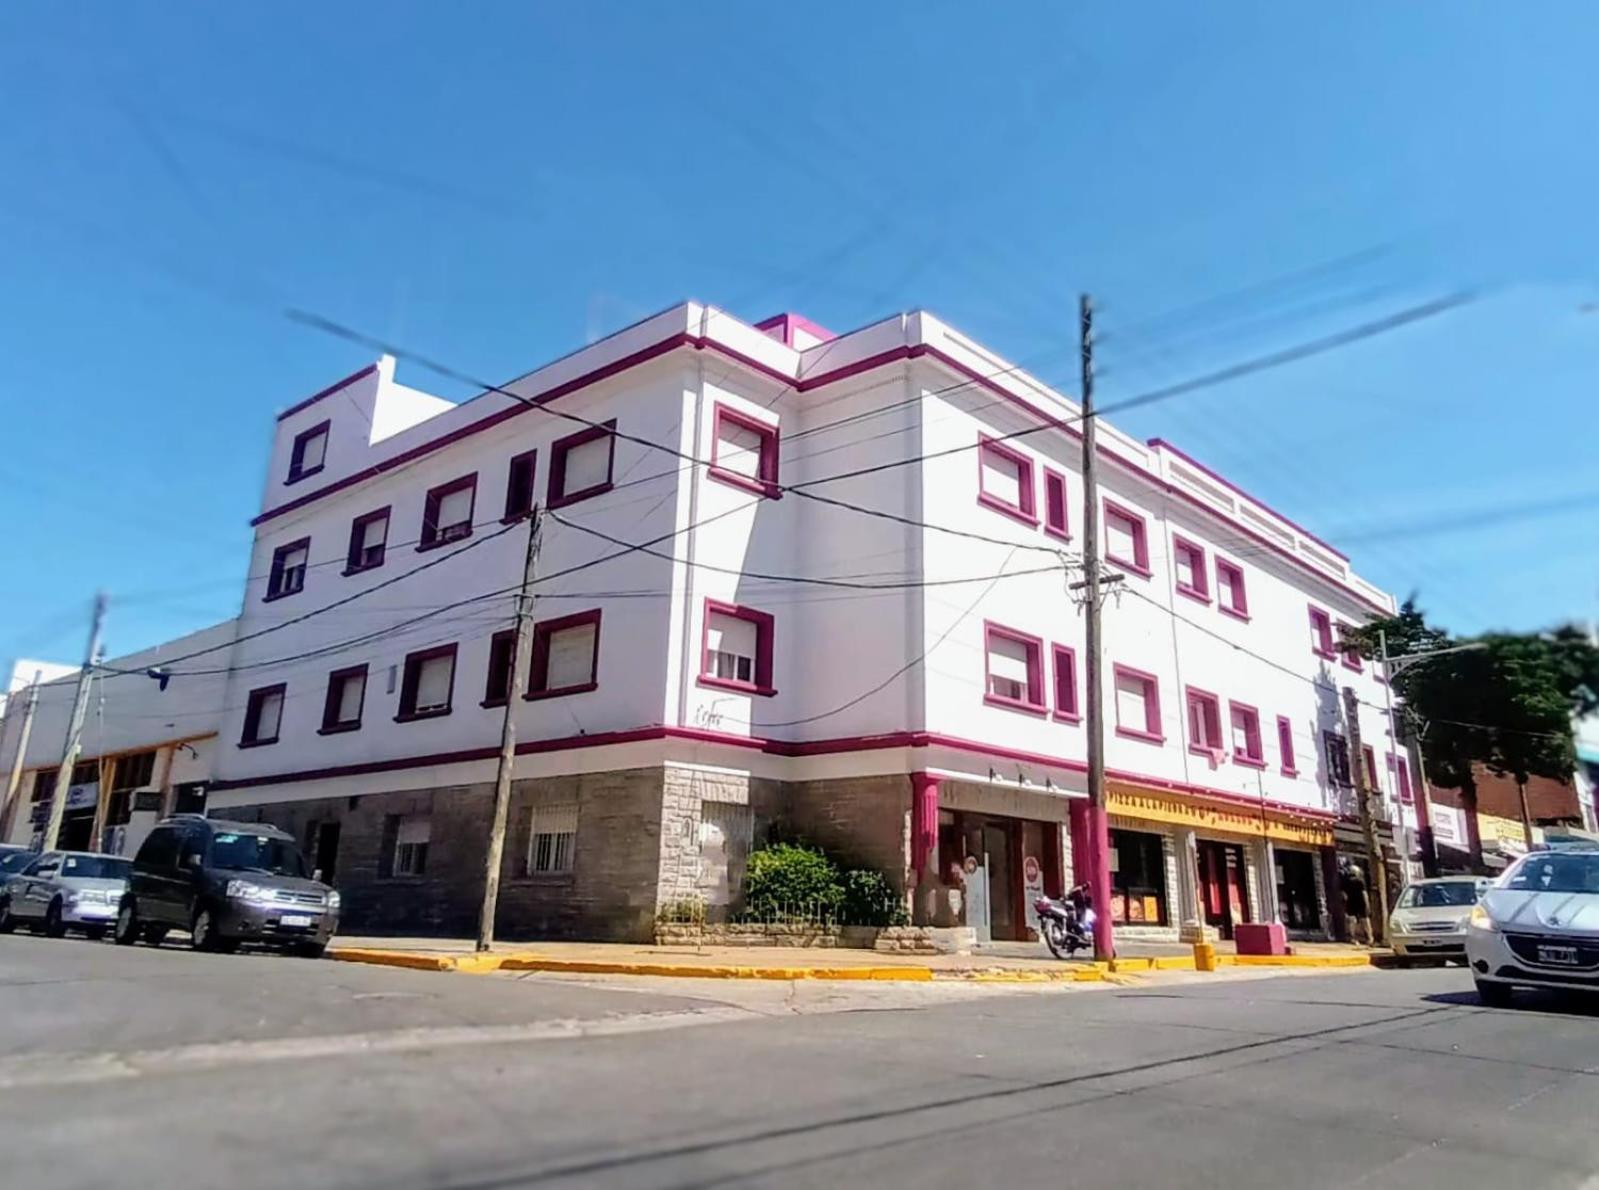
[1538, 926]
[1429, 919]
[63, 890]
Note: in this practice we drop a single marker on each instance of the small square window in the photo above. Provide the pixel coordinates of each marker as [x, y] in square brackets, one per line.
[566, 655]
[1014, 673]
[1137, 705]
[1188, 559]
[1321, 634]
[1348, 652]
[1204, 722]
[1066, 684]
[1285, 746]
[519, 485]
[289, 564]
[309, 453]
[581, 465]
[1247, 745]
[744, 452]
[263, 716]
[341, 711]
[551, 840]
[1126, 539]
[413, 834]
[737, 653]
[369, 540]
[1231, 597]
[447, 512]
[428, 684]
[502, 650]
[1005, 480]
[1055, 520]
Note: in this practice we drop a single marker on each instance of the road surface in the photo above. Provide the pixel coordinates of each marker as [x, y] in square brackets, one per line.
[167, 1068]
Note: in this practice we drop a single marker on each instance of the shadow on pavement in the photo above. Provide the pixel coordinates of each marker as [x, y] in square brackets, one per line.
[1553, 1003]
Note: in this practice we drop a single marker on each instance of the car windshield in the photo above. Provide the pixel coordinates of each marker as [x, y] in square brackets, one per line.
[1555, 873]
[15, 861]
[1439, 896]
[95, 867]
[257, 853]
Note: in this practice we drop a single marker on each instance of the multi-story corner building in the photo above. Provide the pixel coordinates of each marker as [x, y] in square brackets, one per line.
[788, 580]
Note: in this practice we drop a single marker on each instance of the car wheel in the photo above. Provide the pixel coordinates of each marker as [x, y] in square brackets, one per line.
[8, 924]
[127, 929]
[94, 933]
[54, 927]
[203, 933]
[1494, 995]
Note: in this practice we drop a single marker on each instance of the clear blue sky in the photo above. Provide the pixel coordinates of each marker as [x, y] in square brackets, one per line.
[496, 183]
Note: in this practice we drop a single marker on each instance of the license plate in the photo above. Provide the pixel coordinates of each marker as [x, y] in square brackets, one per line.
[302, 919]
[1566, 955]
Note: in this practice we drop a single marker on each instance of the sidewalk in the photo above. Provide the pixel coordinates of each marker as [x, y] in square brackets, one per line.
[997, 962]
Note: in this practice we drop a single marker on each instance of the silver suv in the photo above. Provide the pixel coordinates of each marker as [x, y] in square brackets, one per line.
[63, 890]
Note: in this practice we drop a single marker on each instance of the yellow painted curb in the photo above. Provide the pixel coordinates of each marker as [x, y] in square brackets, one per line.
[1294, 960]
[696, 971]
[395, 958]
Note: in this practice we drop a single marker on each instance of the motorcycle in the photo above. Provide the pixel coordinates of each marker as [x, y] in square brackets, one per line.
[1064, 930]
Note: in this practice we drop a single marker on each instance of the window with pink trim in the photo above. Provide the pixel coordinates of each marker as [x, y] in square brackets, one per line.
[1137, 704]
[736, 652]
[1204, 722]
[1005, 480]
[1285, 746]
[309, 453]
[1188, 560]
[581, 465]
[1126, 539]
[1321, 634]
[1399, 766]
[1231, 597]
[1013, 674]
[1350, 654]
[744, 452]
[1066, 685]
[566, 656]
[1247, 746]
[1055, 521]
[1368, 754]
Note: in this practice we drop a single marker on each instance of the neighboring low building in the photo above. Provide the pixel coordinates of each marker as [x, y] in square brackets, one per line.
[1550, 803]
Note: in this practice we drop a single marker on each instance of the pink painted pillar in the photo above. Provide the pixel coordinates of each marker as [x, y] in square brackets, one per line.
[1098, 831]
[924, 821]
[1077, 824]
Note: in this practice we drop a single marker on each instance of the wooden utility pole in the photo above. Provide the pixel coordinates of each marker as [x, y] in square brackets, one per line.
[1098, 833]
[14, 779]
[1526, 813]
[74, 744]
[1377, 876]
[516, 681]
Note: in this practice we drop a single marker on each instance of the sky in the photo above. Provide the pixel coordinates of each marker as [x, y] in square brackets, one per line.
[496, 184]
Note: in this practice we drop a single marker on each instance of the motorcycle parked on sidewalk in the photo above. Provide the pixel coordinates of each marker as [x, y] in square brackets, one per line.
[1066, 925]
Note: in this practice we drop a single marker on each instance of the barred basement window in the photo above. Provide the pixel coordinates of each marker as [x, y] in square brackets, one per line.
[411, 840]
[552, 839]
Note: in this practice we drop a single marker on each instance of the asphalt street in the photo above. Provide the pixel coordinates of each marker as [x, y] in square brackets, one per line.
[167, 1068]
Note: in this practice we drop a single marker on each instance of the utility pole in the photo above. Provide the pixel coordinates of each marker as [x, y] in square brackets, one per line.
[1526, 813]
[1098, 822]
[1425, 842]
[15, 778]
[80, 707]
[516, 680]
[1378, 874]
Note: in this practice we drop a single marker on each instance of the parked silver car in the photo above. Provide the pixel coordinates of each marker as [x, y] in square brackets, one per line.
[63, 890]
[1429, 919]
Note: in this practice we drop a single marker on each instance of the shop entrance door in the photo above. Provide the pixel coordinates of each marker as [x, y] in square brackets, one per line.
[1001, 895]
[1221, 885]
[1296, 889]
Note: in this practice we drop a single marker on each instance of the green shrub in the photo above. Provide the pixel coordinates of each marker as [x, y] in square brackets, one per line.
[870, 900]
[786, 881]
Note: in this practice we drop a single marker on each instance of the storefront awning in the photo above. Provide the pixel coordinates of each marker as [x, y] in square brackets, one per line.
[1217, 815]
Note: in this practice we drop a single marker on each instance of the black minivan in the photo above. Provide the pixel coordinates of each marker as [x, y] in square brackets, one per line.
[226, 883]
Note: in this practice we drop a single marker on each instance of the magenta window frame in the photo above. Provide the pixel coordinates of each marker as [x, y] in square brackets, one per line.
[1232, 597]
[1255, 759]
[297, 468]
[1057, 518]
[1138, 528]
[1194, 553]
[765, 628]
[432, 536]
[555, 496]
[1150, 732]
[275, 589]
[1285, 747]
[1193, 695]
[765, 481]
[539, 671]
[1027, 511]
[1064, 660]
[1033, 701]
[1350, 658]
[1321, 643]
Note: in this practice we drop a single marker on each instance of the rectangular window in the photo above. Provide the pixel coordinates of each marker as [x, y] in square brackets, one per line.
[1055, 523]
[341, 711]
[1005, 480]
[412, 834]
[1014, 675]
[447, 512]
[744, 452]
[566, 655]
[1285, 746]
[1350, 654]
[1066, 684]
[1231, 597]
[1188, 559]
[1137, 704]
[369, 540]
[263, 716]
[1248, 748]
[737, 652]
[1399, 765]
[1126, 539]
[551, 840]
[1321, 634]
[1369, 755]
[428, 684]
[309, 453]
[1336, 749]
[134, 772]
[289, 562]
[1204, 722]
[502, 649]
[519, 485]
[580, 465]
